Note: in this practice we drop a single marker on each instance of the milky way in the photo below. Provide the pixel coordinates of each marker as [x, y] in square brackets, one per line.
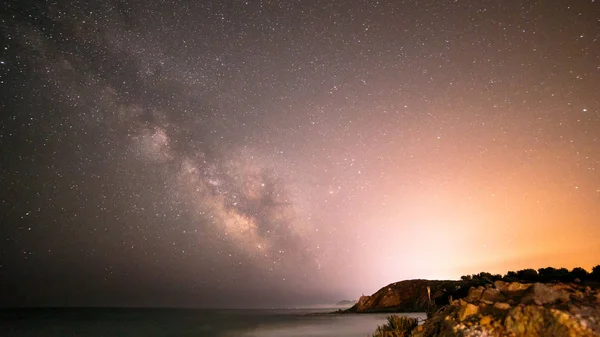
[264, 153]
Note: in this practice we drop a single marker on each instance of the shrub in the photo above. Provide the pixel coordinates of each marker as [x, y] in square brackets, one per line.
[595, 274]
[528, 275]
[562, 274]
[485, 276]
[579, 273]
[397, 326]
[548, 274]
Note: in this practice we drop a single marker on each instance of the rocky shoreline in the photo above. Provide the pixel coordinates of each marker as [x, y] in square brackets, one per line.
[514, 309]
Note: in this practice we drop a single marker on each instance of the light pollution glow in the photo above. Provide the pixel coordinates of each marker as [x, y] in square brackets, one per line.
[294, 153]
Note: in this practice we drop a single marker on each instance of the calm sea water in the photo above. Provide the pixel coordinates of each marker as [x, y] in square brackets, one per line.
[185, 322]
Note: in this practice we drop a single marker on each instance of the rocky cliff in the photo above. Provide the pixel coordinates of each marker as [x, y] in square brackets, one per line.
[517, 310]
[406, 296]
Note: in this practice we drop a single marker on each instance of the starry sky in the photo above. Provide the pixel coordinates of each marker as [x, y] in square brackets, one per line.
[279, 153]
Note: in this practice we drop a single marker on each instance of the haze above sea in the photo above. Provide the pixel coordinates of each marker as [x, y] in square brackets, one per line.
[96, 322]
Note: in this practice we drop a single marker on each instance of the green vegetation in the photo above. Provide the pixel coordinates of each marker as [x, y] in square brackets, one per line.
[397, 326]
[548, 274]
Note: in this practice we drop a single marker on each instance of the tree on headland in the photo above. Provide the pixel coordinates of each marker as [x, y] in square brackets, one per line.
[481, 278]
[527, 275]
[484, 277]
[510, 276]
[547, 273]
[550, 274]
[579, 273]
[595, 274]
[563, 275]
[489, 276]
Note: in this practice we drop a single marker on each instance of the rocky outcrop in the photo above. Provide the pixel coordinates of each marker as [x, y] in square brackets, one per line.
[518, 310]
[406, 296]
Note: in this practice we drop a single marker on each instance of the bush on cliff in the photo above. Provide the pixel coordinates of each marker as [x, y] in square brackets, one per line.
[530, 275]
[595, 274]
[550, 274]
[545, 275]
[480, 279]
[397, 326]
[579, 273]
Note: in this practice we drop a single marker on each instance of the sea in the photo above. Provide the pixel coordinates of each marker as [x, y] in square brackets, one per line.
[96, 322]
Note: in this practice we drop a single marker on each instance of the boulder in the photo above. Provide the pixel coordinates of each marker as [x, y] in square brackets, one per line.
[466, 309]
[475, 294]
[485, 320]
[541, 294]
[492, 295]
[541, 310]
[540, 321]
[512, 288]
[501, 306]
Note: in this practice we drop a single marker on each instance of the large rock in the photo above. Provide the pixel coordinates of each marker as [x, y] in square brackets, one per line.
[501, 306]
[512, 288]
[492, 295]
[466, 310]
[541, 294]
[405, 296]
[534, 320]
[475, 293]
[541, 310]
[488, 295]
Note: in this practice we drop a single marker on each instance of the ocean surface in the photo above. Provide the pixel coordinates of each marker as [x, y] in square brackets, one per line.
[97, 322]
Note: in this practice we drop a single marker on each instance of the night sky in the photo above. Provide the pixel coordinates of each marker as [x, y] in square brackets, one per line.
[278, 153]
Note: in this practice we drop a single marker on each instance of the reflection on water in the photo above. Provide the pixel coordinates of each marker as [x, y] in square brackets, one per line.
[94, 322]
[334, 325]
